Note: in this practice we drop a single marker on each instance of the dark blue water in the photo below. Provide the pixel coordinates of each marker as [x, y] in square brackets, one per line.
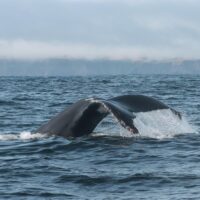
[164, 165]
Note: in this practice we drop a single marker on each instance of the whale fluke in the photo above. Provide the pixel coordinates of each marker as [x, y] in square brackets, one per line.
[82, 117]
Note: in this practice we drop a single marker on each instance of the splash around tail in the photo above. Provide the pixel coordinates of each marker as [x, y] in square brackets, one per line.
[158, 124]
[25, 135]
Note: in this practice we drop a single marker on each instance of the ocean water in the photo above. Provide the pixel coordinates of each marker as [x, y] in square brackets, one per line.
[162, 162]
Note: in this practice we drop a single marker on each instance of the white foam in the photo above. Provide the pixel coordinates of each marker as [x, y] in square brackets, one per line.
[161, 124]
[4, 137]
[25, 135]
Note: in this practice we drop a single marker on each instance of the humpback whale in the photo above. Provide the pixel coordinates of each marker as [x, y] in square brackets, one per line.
[82, 117]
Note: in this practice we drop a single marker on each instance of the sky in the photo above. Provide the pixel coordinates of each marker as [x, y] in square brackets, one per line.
[96, 29]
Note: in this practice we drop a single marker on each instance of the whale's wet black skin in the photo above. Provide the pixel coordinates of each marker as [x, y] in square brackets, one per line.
[82, 117]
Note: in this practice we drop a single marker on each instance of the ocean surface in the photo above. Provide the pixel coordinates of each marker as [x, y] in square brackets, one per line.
[162, 162]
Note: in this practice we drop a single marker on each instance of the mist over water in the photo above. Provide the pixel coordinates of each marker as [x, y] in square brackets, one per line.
[87, 67]
[162, 162]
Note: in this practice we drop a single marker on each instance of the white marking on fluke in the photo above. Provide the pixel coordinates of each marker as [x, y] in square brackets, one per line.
[131, 131]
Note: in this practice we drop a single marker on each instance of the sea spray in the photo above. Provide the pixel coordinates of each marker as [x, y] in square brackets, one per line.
[161, 124]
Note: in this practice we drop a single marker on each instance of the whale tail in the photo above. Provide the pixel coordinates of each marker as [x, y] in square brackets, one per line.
[82, 117]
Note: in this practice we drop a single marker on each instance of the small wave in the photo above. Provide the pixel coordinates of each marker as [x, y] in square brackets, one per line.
[7, 103]
[25, 135]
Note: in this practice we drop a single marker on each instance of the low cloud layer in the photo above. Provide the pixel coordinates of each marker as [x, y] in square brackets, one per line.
[22, 49]
[90, 29]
